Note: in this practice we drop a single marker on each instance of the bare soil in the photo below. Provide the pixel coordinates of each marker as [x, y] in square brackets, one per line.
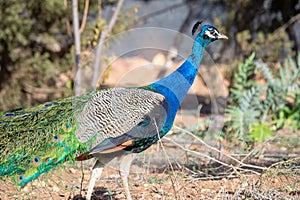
[186, 170]
[170, 173]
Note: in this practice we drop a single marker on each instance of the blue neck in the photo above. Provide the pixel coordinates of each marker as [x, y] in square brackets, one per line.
[175, 86]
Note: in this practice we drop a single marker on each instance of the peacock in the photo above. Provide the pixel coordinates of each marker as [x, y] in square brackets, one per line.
[103, 124]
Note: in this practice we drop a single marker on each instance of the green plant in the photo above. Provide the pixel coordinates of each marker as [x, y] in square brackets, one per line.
[244, 113]
[242, 79]
[156, 181]
[260, 131]
[255, 109]
[244, 98]
[282, 92]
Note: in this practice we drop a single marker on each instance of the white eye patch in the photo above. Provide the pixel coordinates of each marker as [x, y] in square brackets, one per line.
[211, 33]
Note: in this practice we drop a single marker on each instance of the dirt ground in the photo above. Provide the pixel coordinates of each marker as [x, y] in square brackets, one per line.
[171, 173]
[189, 169]
[167, 185]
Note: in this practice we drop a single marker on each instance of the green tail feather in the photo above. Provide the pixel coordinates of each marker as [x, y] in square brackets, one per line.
[35, 140]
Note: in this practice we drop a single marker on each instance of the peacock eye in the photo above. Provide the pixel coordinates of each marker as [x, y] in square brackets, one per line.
[36, 159]
[56, 137]
[205, 37]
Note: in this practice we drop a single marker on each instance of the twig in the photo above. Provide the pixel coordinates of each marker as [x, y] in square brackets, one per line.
[222, 153]
[297, 160]
[82, 177]
[69, 31]
[103, 36]
[86, 8]
[214, 178]
[34, 90]
[172, 169]
[260, 147]
[211, 158]
[251, 152]
[77, 47]
[99, 8]
[290, 22]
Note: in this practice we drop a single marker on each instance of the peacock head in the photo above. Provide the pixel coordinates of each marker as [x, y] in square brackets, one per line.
[206, 33]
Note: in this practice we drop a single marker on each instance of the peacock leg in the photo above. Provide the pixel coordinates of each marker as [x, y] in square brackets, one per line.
[124, 172]
[96, 173]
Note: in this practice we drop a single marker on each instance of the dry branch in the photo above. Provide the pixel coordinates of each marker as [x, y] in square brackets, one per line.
[77, 47]
[85, 12]
[101, 40]
[222, 153]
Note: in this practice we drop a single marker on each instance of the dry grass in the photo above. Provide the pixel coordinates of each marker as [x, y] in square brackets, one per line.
[183, 168]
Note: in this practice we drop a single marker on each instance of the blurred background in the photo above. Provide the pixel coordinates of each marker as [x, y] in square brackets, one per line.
[37, 61]
[244, 104]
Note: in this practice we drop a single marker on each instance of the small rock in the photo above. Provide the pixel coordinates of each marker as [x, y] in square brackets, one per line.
[205, 190]
[87, 176]
[261, 157]
[62, 195]
[72, 170]
[26, 189]
[55, 189]
[276, 180]
[157, 196]
[119, 196]
[114, 176]
[41, 184]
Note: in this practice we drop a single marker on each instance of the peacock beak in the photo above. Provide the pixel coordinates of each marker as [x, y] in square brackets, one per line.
[222, 36]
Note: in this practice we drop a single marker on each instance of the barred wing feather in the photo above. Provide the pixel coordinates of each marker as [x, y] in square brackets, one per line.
[120, 114]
